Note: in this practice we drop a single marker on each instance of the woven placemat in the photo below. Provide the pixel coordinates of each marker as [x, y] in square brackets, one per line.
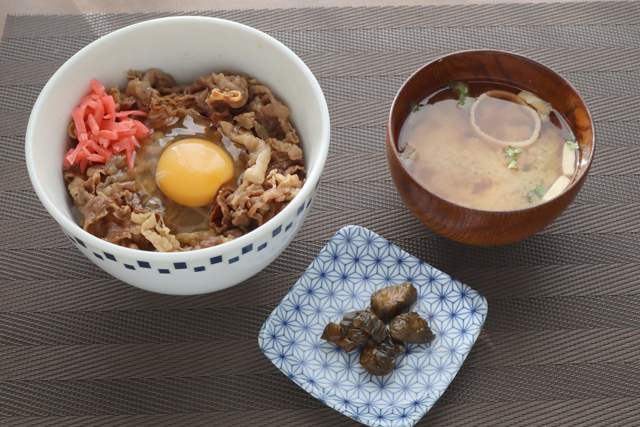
[561, 344]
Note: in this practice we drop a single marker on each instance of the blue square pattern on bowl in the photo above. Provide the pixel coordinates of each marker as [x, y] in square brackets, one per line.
[355, 263]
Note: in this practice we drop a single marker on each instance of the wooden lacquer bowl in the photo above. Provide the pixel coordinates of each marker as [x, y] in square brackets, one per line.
[474, 226]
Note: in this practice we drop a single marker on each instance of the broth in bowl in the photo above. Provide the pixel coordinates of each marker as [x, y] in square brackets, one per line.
[488, 146]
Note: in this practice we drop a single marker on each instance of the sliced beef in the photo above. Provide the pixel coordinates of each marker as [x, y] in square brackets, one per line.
[116, 208]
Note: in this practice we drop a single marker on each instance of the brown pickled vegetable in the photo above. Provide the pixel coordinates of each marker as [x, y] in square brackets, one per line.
[368, 321]
[357, 337]
[380, 358]
[353, 334]
[333, 333]
[411, 328]
[347, 320]
[388, 302]
[345, 335]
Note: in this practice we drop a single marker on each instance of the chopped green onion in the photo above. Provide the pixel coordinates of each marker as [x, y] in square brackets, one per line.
[540, 190]
[513, 154]
[573, 146]
[462, 89]
[463, 93]
[466, 103]
[414, 107]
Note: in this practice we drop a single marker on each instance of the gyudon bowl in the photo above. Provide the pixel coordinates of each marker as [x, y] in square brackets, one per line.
[186, 48]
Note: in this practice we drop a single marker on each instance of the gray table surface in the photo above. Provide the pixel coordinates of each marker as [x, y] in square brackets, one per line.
[562, 338]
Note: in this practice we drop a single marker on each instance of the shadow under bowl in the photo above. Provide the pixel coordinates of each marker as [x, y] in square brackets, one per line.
[473, 226]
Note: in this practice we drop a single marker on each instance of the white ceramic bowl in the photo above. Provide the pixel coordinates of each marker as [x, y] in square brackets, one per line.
[187, 48]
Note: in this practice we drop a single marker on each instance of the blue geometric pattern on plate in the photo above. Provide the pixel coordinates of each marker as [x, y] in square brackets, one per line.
[355, 263]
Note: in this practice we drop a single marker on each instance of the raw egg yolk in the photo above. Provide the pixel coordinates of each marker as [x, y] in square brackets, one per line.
[191, 171]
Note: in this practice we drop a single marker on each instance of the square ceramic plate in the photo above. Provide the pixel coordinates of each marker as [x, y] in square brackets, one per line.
[355, 263]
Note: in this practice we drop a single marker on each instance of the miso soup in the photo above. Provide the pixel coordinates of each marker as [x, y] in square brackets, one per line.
[488, 146]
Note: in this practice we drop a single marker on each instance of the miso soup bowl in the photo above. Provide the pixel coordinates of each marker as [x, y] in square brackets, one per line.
[473, 226]
[187, 48]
